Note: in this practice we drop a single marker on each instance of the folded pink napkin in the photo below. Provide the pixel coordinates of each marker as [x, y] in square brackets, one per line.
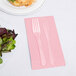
[43, 41]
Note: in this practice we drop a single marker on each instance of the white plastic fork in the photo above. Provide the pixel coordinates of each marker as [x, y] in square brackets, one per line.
[36, 31]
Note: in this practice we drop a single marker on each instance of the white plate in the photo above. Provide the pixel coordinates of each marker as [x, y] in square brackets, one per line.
[8, 8]
[6, 56]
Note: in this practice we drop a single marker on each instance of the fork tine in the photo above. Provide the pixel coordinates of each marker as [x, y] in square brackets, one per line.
[35, 24]
[38, 26]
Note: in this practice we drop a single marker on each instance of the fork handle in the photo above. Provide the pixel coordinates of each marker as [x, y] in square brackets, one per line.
[43, 61]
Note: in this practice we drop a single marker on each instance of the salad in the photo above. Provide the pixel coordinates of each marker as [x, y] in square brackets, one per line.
[7, 41]
[21, 2]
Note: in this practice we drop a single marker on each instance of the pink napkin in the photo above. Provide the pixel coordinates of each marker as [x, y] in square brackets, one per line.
[43, 41]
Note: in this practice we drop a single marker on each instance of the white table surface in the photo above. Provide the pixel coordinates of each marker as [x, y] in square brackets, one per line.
[64, 12]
